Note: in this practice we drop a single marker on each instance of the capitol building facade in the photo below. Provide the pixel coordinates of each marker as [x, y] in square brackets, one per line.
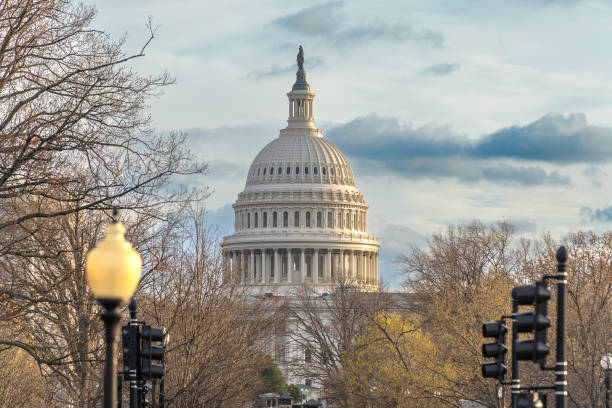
[300, 219]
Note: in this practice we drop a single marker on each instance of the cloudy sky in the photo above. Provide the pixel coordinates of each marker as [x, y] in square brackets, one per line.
[449, 111]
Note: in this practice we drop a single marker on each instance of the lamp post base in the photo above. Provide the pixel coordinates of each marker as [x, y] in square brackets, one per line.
[111, 319]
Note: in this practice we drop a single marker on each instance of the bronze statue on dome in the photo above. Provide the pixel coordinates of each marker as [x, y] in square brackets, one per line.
[300, 58]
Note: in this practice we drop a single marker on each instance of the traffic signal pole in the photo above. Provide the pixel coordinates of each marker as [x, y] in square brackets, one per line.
[133, 361]
[516, 382]
[561, 364]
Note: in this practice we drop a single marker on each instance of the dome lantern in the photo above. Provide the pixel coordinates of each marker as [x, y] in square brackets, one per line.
[300, 98]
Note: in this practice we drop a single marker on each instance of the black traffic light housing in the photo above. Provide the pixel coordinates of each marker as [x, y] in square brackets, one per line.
[150, 353]
[496, 349]
[536, 322]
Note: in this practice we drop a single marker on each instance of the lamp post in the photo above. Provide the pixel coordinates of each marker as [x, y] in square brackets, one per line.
[606, 365]
[113, 272]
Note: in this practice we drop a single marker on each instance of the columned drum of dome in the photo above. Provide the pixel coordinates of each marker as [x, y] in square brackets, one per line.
[300, 219]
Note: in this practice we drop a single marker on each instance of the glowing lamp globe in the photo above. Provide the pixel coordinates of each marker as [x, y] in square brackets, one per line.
[113, 266]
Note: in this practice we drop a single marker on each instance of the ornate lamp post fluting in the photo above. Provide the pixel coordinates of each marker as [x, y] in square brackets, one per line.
[606, 365]
[113, 272]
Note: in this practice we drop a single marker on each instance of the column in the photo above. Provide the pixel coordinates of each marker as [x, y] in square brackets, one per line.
[276, 266]
[363, 266]
[302, 274]
[371, 277]
[252, 267]
[352, 265]
[230, 260]
[328, 268]
[341, 264]
[315, 267]
[264, 270]
[289, 265]
[376, 268]
[242, 268]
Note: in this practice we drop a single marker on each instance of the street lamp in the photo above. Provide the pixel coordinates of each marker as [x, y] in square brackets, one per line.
[113, 272]
[606, 365]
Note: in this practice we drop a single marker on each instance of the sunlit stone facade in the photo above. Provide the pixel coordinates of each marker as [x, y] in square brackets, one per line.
[300, 218]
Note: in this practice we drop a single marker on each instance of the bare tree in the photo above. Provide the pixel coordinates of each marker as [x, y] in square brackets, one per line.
[72, 117]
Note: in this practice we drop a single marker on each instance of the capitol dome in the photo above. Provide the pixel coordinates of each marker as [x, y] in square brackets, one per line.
[300, 219]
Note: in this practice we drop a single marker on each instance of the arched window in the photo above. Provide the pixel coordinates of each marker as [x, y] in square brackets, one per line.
[306, 170]
[296, 219]
[249, 220]
[271, 171]
[256, 220]
[315, 170]
[265, 219]
[324, 170]
[288, 170]
[319, 219]
[297, 170]
[274, 219]
[264, 171]
[285, 219]
[280, 170]
[330, 220]
[308, 218]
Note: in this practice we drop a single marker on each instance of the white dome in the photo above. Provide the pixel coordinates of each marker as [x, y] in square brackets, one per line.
[299, 158]
[300, 219]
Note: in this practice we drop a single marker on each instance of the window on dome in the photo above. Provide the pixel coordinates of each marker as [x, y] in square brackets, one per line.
[264, 171]
[280, 170]
[315, 170]
[256, 220]
[297, 170]
[271, 171]
[249, 220]
[258, 170]
[330, 220]
[288, 170]
[305, 170]
[296, 219]
[285, 219]
[324, 170]
[265, 220]
[339, 219]
[274, 219]
[242, 222]
[319, 219]
[308, 218]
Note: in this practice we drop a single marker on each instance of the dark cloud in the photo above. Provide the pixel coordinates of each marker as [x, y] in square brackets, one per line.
[276, 70]
[441, 69]
[383, 145]
[397, 32]
[596, 214]
[553, 138]
[320, 19]
[327, 21]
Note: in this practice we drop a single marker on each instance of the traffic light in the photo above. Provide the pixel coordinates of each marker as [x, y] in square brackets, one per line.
[536, 322]
[496, 349]
[150, 352]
